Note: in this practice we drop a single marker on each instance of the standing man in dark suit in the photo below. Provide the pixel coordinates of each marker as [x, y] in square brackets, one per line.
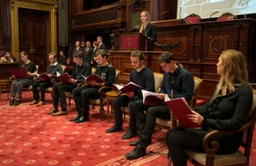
[95, 49]
[75, 50]
[88, 53]
[101, 44]
[77, 47]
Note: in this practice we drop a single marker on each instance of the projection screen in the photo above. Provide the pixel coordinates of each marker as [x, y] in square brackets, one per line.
[205, 8]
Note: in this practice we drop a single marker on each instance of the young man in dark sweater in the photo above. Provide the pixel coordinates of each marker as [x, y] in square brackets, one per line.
[82, 95]
[43, 84]
[142, 76]
[176, 79]
[81, 68]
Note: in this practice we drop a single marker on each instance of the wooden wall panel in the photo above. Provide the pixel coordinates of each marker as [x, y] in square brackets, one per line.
[200, 47]
[5, 32]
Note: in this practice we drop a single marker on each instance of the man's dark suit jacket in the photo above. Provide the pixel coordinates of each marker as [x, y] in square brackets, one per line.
[88, 55]
[102, 46]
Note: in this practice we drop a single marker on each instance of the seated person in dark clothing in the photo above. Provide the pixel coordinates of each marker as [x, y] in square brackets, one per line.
[81, 68]
[6, 58]
[43, 84]
[227, 110]
[62, 59]
[82, 95]
[140, 75]
[182, 86]
[18, 84]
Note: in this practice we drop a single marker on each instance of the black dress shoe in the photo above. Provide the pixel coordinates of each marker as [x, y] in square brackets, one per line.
[81, 119]
[75, 118]
[129, 134]
[113, 129]
[136, 153]
[135, 143]
[11, 102]
[16, 102]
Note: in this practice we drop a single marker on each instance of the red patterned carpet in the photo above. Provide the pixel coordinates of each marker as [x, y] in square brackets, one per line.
[30, 137]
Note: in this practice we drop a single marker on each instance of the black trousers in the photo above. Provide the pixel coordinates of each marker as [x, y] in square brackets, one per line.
[59, 93]
[138, 111]
[42, 86]
[82, 96]
[124, 101]
[178, 139]
[152, 114]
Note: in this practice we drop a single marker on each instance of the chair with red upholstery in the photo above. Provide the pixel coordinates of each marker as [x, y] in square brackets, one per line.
[192, 18]
[226, 16]
[69, 67]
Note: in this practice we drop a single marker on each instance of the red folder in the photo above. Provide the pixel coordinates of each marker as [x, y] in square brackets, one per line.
[180, 109]
[64, 78]
[20, 73]
[44, 76]
[95, 78]
[130, 87]
[150, 98]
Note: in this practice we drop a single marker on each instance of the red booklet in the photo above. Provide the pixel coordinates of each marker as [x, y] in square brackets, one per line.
[20, 73]
[64, 78]
[150, 98]
[95, 77]
[130, 87]
[44, 76]
[180, 108]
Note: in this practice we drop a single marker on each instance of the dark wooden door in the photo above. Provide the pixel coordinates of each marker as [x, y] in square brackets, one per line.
[33, 36]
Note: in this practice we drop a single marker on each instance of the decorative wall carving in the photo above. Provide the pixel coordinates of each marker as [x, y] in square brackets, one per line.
[97, 17]
[218, 44]
[168, 46]
[137, 5]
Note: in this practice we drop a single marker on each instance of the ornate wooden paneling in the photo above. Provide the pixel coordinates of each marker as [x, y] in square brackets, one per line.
[108, 16]
[198, 46]
[5, 33]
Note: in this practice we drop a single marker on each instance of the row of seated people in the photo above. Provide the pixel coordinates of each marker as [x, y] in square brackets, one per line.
[227, 109]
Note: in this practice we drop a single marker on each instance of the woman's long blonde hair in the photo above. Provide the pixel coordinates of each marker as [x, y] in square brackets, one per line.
[147, 14]
[233, 69]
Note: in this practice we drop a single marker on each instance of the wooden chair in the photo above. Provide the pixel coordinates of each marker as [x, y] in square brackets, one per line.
[192, 18]
[239, 158]
[158, 78]
[34, 78]
[101, 101]
[50, 89]
[173, 122]
[226, 16]
[69, 67]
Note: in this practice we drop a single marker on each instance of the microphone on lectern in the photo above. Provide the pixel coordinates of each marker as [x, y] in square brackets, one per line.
[135, 27]
[163, 13]
[213, 14]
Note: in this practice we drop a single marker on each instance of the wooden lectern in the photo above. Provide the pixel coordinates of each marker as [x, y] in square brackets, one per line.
[136, 41]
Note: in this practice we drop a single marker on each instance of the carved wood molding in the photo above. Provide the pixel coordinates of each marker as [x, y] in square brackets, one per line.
[96, 18]
[138, 5]
[168, 46]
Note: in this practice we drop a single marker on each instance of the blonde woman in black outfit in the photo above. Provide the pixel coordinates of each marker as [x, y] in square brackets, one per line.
[146, 27]
[19, 84]
[227, 110]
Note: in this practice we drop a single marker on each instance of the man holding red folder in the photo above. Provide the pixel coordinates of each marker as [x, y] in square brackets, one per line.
[142, 76]
[82, 95]
[177, 82]
[45, 83]
[81, 68]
